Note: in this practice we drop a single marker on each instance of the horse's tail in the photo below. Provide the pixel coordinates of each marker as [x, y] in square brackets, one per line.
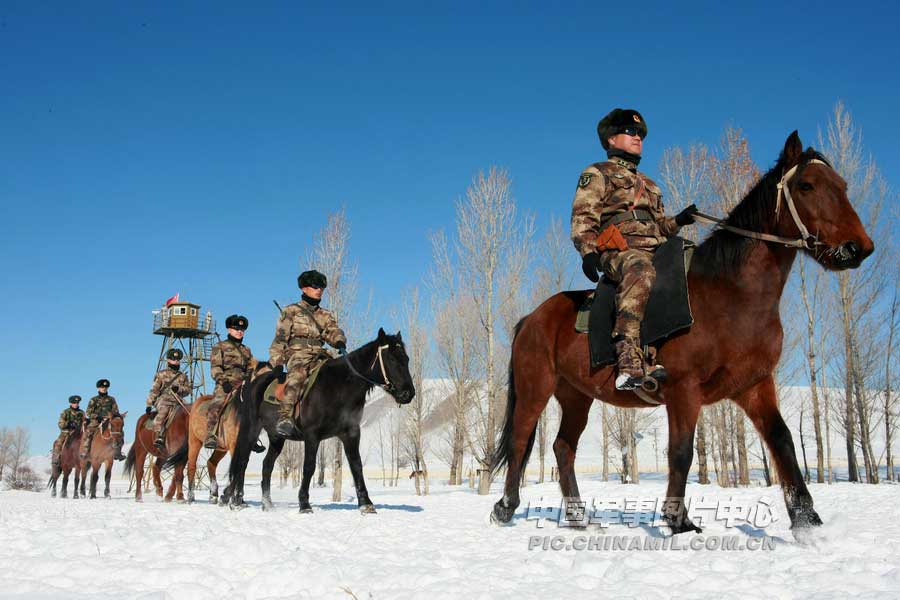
[504, 445]
[132, 454]
[179, 457]
[248, 415]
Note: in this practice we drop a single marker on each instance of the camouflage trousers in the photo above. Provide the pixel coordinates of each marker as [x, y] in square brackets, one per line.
[164, 409]
[58, 446]
[298, 369]
[89, 432]
[635, 274]
[214, 409]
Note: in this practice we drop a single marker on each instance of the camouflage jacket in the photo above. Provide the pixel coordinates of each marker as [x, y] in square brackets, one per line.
[71, 416]
[303, 326]
[100, 407]
[231, 362]
[610, 188]
[166, 380]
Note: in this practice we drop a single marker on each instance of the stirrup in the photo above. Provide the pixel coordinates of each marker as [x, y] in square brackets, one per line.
[211, 442]
[659, 373]
[258, 448]
[159, 442]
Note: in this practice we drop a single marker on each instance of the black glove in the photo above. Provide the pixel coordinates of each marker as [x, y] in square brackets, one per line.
[686, 216]
[148, 410]
[86, 421]
[175, 388]
[263, 365]
[341, 348]
[227, 387]
[72, 426]
[590, 266]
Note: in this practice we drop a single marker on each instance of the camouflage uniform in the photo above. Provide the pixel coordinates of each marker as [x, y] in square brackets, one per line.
[298, 344]
[167, 384]
[98, 408]
[605, 190]
[70, 421]
[231, 361]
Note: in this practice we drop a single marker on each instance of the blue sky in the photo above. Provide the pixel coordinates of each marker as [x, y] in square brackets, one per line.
[147, 149]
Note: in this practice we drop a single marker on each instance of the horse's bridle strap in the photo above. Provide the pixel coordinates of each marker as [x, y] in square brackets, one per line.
[783, 190]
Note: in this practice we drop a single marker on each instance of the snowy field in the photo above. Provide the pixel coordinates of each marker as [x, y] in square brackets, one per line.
[439, 546]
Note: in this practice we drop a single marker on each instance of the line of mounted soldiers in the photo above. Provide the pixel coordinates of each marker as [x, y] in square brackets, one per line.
[300, 335]
[618, 221]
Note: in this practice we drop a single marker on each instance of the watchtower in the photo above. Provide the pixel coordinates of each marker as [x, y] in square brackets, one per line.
[182, 326]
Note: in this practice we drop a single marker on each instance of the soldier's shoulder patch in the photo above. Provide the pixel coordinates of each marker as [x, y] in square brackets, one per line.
[585, 180]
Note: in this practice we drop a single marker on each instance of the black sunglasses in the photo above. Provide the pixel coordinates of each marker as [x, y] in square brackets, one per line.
[633, 131]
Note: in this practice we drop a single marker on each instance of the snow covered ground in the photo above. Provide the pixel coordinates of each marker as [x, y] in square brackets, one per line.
[439, 546]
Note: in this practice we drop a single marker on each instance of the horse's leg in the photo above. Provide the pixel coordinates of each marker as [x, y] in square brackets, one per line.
[310, 450]
[106, 477]
[139, 458]
[85, 469]
[194, 445]
[178, 475]
[276, 444]
[351, 449]
[156, 474]
[95, 477]
[211, 465]
[682, 410]
[761, 405]
[530, 390]
[574, 408]
[65, 486]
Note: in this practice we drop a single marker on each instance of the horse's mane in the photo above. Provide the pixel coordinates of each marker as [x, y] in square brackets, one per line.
[723, 252]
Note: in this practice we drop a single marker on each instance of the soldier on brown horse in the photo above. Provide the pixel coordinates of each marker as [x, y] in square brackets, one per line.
[65, 448]
[107, 446]
[174, 453]
[736, 280]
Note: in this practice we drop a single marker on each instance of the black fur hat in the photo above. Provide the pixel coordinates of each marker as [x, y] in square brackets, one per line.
[617, 121]
[237, 322]
[312, 278]
[74, 399]
[103, 383]
[174, 354]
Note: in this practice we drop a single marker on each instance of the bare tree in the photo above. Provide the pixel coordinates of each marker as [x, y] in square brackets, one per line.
[489, 239]
[18, 442]
[420, 407]
[858, 290]
[6, 437]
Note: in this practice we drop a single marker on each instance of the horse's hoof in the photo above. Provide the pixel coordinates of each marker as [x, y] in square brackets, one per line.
[502, 514]
[238, 506]
[367, 509]
[684, 525]
[268, 506]
[140, 500]
[180, 500]
[806, 519]
[306, 511]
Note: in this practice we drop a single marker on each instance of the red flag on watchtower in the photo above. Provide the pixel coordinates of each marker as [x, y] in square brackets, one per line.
[172, 300]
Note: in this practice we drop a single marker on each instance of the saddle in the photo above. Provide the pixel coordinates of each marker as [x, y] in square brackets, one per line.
[668, 308]
[148, 423]
[274, 393]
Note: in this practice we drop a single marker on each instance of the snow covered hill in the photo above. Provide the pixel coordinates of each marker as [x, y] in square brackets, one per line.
[439, 546]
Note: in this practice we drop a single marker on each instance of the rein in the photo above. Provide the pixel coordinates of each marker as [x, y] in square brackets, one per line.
[806, 241]
[109, 432]
[379, 358]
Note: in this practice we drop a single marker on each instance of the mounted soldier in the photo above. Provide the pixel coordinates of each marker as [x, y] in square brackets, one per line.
[617, 224]
[70, 421]
[231, 362]
[98, 410]
[302, 331]
[170, 387]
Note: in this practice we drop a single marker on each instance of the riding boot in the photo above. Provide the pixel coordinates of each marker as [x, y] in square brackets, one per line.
[257, 447]
[630, 364]
[119, 455]
[285, 426]
[160, 441]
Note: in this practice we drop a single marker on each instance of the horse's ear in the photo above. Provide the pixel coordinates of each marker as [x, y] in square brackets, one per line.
[793, 148]
[399, 337]
[380, 333]
[123, 414]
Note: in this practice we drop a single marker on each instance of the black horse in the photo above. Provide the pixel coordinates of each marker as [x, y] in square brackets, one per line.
[333, 407]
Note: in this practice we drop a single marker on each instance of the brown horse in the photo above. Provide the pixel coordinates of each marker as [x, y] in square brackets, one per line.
[68, 461]
[731, 350]
[174, 455]
[229, 424]
[106, 445]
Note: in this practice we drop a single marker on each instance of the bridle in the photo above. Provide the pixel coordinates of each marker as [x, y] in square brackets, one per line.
[386, 385]
[806, 241]
[109, 430]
